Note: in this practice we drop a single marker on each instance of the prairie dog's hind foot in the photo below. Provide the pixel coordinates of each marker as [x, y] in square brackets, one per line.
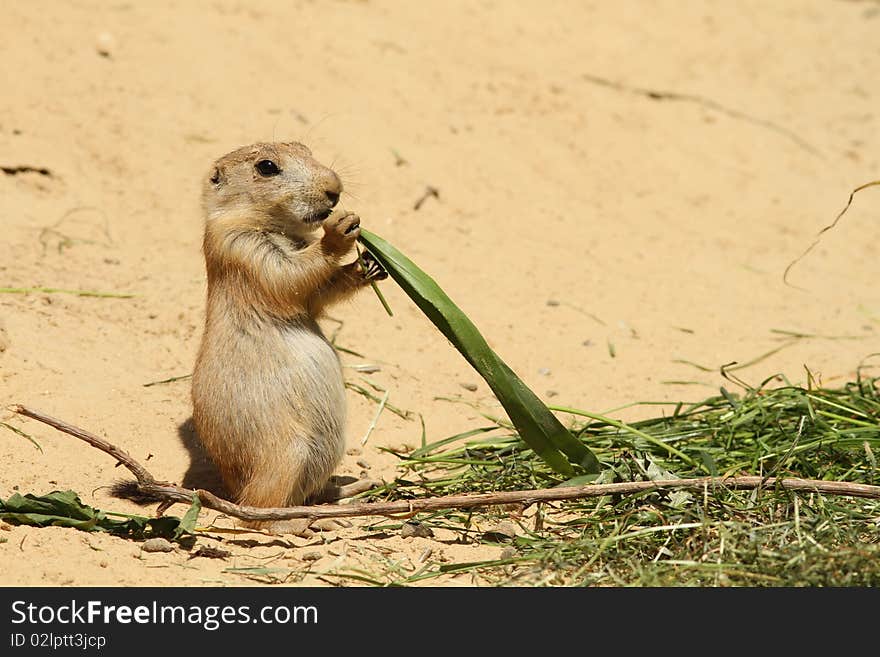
[295, 526]
[302, 527]
[335, 490]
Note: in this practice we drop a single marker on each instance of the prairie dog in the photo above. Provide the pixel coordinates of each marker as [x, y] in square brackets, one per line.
[267, 389]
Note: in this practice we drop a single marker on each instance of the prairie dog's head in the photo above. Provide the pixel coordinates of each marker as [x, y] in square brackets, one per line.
[278, 185]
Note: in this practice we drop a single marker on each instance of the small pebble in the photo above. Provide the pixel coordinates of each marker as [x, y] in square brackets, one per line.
[157, 545]
[354, 451]
[469, 386]
[363, 464]
[330, 524]
[587, 343]
[105, 44]
[503, 530]
[410, 529]
[552, 393]
[552, 302]
[507, 553]
[544, 371]
[311, 556]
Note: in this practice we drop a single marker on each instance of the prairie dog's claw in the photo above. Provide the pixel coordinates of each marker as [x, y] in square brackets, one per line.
[373, 271]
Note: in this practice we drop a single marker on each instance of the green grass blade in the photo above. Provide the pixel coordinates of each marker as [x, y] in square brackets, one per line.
[536, 424]
[22, 434]
[625, 427]
[58, 290]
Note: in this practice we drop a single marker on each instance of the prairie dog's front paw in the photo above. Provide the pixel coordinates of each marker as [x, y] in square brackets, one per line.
[341, 232]
[371, 269]
[297, 527]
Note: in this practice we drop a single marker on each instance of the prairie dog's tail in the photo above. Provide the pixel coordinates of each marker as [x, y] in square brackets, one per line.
[129, 490]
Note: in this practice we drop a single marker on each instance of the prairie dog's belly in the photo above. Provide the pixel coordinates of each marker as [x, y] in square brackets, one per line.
[267, 384]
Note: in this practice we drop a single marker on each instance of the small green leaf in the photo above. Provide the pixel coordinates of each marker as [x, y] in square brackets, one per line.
[65, 509]
[64, 505]
[580, 480]
[709, 462]
[188, 523]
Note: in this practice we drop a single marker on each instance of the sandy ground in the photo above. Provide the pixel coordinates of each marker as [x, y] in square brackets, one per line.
[597, 232]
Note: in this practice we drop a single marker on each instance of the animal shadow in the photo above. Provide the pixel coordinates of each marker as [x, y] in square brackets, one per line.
[201, 473]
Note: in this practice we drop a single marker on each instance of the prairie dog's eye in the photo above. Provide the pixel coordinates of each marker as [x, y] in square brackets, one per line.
[267, 168]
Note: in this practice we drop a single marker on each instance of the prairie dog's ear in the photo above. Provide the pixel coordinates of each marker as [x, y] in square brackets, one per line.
[216, 177]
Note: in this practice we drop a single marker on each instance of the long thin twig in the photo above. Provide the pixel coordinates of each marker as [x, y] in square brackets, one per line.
[123, 457]
[825, 230]
[172, 379]
[151, 486]
[429, 192]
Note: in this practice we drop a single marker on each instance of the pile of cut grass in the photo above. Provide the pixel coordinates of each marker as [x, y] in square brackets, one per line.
[721, 537]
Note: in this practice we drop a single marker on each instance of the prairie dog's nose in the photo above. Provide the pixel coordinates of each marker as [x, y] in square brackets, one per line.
[332, 188]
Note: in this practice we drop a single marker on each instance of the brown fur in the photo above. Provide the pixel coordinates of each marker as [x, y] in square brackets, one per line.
[267, 389]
